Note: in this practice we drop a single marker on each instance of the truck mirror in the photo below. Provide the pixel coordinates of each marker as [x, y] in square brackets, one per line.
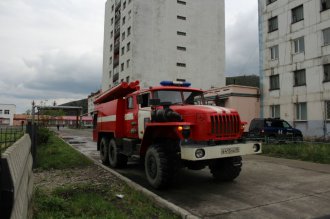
[154, 102]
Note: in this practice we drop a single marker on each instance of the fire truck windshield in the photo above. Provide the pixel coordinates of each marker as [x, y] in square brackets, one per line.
[180, 97]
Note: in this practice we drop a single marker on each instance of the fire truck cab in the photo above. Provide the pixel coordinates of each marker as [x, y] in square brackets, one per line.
[169, 127]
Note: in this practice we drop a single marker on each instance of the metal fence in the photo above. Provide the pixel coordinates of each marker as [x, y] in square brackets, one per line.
[9, 135]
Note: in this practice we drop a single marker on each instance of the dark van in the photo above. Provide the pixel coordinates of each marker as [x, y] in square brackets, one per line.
[273, 130]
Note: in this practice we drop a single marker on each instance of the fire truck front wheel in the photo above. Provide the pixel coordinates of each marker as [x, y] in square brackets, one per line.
[157, 167]
[116, 159]
[226, 169]
[104, 150]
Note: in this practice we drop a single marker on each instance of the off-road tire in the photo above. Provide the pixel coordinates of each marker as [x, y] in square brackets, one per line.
[158, 167]
[104, 146]
[116, 159]
[226, 169]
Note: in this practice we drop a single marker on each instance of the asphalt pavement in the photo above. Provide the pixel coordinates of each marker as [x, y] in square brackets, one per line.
[266, 188]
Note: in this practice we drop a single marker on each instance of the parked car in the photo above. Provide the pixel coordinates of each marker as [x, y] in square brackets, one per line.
[271, 129]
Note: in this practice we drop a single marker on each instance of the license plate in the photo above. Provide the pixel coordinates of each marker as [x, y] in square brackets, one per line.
[233, 150]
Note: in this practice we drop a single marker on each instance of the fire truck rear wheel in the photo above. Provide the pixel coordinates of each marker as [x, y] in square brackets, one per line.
[116, 159]
[104, 150]
[158, 167]
[226, 169]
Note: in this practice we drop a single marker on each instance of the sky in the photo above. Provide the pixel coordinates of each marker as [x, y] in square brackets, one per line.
[52, 50]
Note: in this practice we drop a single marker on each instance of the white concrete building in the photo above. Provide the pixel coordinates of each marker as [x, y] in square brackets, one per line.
[90, 101]
[7, 112]
[295, 63]
[151, 41]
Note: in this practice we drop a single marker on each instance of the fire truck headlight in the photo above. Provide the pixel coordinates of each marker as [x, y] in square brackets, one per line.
[256, 147]
[185, 130]
[199, 153]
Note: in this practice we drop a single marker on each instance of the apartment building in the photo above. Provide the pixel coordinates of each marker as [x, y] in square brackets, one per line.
[151, 41]
[7, 112]
[295, 63]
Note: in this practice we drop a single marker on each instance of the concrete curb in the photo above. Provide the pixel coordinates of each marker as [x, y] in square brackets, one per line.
[159, 200]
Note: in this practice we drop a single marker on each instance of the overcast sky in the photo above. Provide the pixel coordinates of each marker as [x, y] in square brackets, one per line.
[52, 49]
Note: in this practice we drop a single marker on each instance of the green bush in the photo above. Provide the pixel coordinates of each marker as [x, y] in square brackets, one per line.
[43, 135]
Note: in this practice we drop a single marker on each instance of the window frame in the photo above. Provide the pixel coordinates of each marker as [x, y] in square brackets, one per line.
[326, 73]
[274, 52]
[326, 38]
[272, 85]
[299, 111]
[297, 44]
[270, 27]
[327, 109]
[295, 11]
[299, 73]
[274, 110]
[6, 112]
[268, 2]
[325, 5]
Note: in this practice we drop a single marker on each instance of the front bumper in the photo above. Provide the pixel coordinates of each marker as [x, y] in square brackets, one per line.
[188, 152]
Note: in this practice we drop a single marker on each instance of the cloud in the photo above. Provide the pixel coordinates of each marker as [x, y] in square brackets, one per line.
[242, 46]
[50, 50]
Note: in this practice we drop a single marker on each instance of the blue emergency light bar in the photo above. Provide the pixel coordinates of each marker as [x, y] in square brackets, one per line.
[175, 83]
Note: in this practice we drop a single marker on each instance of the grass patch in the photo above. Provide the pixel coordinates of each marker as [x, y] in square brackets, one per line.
[56, 154]
[94, 201]
[315, 152]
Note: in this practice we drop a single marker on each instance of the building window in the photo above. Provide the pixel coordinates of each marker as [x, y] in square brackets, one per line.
[300, 77]
[124, 5]
[7, 112]
[110, 73]
[181, 2]
[275, 111]
[181, 17]
[123, 50]
[179, 64]
[127, 79]
[270, 1]
[111, 20]
[123, 36]
[180, 33]
[327, 109]
[128, 47]
[272, 24]
[326, 36]
[301, 111]
[111, 34]
[299, 45]
[297, 14]
[326, 69]
[325, 5]
[122, 67]
[274, 81]
[112, 7]
[181, 48]
[110, 61]
[110, 47]
[129, 31]
[0, 112]
[124, 20]
[274, 52]
[128, 63]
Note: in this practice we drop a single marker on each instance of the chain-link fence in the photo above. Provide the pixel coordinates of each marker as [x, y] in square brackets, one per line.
[9, 135]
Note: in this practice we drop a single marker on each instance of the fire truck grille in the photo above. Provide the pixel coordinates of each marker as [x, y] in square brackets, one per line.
[225, 125]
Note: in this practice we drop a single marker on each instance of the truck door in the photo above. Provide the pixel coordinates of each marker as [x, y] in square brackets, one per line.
[131, 121]
[144, 115]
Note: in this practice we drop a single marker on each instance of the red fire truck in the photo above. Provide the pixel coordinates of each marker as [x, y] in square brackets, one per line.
[169, 127]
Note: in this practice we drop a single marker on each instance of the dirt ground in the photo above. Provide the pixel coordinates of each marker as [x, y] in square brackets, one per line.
[93, 174]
